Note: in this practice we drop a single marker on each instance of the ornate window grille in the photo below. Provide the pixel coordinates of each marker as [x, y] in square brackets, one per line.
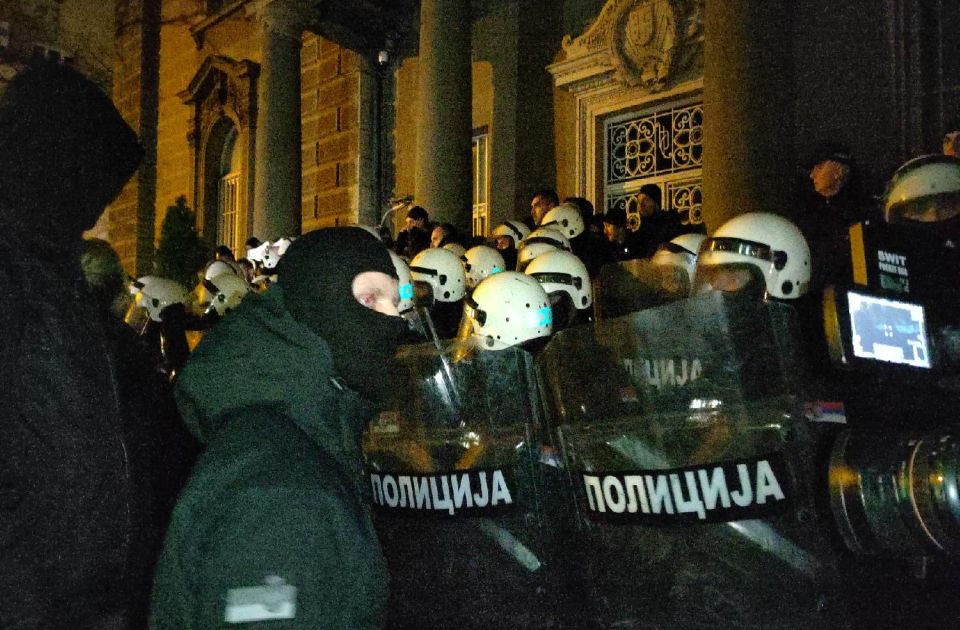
[481, 183]
[228, 230]
[662, 147]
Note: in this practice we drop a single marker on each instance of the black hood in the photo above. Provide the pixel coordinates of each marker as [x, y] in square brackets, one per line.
[65, 153]
[316, 274]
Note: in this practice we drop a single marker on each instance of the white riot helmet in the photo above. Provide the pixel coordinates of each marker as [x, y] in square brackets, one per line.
[516, 230]
[562, 272]
[443, 271]
[273, 254]
[283, 244]
[680, 253]
[481, 261]
[457, 249]
[766, 245]
[256, 254]
[138, 284]
[566, 218]
[925, 190]
[222, 293]
[404, 284]
[218, 268]
[540, 241]
[154, 294]
[507, 309]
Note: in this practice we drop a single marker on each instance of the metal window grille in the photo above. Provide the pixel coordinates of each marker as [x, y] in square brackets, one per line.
[481, 172]
[683, 196]
[662, 147]
[228, 228]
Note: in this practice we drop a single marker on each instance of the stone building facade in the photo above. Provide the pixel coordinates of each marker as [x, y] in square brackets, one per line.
[254, 119]
[275, 117]
[78, 32]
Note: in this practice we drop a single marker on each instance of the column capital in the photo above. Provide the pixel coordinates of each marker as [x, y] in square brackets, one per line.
[281, 17]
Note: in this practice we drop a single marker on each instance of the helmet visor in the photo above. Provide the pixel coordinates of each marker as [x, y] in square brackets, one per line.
[743, 247]
[440, 279]
[927, 209]
[672, 248]
[137, 317]
[555, 278]
[742, 278]
[473, 311]
[201, 300]
[533, 247]
[468, 338]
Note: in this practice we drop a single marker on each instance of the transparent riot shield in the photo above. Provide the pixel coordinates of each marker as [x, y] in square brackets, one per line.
[691, 469]
[635, 285]
[462, 492]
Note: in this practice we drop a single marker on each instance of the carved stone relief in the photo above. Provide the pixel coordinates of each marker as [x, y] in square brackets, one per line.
[635, 43]
[221, 87]
[636, 54]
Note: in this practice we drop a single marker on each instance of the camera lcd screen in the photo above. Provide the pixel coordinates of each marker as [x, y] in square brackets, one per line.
[888, 330]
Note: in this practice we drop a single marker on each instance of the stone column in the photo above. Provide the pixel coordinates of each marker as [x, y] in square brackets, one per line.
[277, 170]
[749, 163]
[444, 173]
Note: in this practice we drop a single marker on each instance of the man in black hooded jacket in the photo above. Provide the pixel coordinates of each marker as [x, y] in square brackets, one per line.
[274, 525]
[65, 507]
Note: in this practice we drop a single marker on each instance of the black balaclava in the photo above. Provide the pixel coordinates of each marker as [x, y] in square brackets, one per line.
[316, 275]
[65, 153]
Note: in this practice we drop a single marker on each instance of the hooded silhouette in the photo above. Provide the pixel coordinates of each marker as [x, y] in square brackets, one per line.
[65, 507]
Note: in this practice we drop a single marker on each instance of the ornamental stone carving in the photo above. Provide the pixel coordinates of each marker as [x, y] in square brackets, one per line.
[636, 43]
[642, 47]
[221, 87]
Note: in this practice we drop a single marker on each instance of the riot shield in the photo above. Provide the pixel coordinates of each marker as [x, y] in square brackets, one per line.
[690, 468]
[633, 285]
[462, 492]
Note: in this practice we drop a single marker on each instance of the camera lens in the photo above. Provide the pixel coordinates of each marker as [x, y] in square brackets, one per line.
[897, 497]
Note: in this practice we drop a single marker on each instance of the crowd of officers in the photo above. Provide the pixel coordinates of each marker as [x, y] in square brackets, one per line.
[95, 454]
[533, 278]
[529, 282]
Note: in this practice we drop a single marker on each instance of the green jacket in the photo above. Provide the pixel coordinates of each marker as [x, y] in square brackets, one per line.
[278, 495]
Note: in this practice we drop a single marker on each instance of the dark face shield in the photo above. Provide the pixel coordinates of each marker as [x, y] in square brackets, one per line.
[563, 310]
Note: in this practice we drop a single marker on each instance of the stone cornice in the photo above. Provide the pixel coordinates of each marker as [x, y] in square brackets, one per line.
[199, 85]
[287, 18]
[198, 30]
[221, 87]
